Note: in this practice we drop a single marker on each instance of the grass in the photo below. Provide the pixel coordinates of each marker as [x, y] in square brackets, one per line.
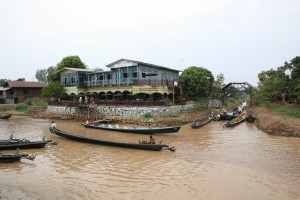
[23, 107]
[292, 110]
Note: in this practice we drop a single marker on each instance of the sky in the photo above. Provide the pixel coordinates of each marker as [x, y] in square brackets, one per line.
[238, 38]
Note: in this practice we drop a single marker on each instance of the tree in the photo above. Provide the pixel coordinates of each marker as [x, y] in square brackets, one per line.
[20, 79]
[98, 69]
[219, 81]
[53, 89]
[2, 82]
[196, 82]
[282, 83]
[270, 85]
[51, 74]
[41, 75]
[69, 61]
[72, 62]
[295, 78]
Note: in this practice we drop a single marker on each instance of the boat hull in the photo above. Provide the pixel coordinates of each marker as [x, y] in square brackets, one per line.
[5, 116]
[239, 119]
[22, 145]
[9, 158]
[173, 129]
[153, 147]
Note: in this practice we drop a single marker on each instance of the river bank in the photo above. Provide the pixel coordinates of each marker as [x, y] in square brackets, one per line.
[276, 123]
[266, 120]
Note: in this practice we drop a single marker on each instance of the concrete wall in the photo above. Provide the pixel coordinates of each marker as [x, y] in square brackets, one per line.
[123, 111]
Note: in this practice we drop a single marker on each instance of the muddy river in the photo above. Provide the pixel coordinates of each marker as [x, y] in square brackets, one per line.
[209, 163]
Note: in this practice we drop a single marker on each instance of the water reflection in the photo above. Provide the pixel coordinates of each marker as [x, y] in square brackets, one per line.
[210, 163]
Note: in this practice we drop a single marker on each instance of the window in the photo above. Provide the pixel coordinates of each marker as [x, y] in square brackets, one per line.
[108, 76]
[134, 74]
[125, 75]
[144, 75]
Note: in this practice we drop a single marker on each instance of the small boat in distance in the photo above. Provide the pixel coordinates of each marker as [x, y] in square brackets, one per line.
[9, 158]
[240, 118]
[199, 123]
[13, 143]
[140, 145]
[133, 129]
[5, 116]
[250, 117]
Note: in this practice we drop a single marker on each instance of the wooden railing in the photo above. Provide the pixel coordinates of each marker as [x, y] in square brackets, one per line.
[107, 103]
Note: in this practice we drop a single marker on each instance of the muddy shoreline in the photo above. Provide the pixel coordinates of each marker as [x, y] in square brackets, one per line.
[266, 120]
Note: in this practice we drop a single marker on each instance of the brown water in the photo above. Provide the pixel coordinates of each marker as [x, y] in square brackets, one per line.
[209, 163]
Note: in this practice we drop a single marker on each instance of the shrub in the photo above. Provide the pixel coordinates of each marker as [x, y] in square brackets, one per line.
[22, 107]
[148, 115]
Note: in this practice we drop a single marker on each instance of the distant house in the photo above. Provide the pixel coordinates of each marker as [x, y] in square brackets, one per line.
[3, 95]
[19, 91]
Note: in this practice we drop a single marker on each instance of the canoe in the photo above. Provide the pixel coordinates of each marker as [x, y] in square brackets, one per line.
[240, 118]
[227, 116]
[22, 144]
[5, 116]
[250, 117]
[199, 123]
[143, 146]
[143, 130]
[9, 158]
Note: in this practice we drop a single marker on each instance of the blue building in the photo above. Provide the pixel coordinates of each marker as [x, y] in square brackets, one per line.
[127, 80]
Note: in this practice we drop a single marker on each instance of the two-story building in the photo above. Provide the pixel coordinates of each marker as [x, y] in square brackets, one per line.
[127, 80]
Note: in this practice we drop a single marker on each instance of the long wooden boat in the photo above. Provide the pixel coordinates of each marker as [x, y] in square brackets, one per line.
[144, 146]
[22, 144]
[240, 118]
[142, 130]
[5, 116]
[250, 117]
[9, 158]
[199, 123]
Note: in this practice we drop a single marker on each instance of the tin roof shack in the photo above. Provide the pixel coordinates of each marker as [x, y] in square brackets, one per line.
[19, 91]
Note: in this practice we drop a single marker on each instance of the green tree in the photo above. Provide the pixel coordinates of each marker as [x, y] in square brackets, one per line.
[71, 62]
[281, 84]
[271, 85]
[53, 89]
[2, 82]
[295, 78]
[219, 81]
[51, 74]
[196, 82]
[41, 75]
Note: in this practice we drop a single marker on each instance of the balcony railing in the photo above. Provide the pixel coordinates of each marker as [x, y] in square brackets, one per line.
[135, 82]
[108, 103]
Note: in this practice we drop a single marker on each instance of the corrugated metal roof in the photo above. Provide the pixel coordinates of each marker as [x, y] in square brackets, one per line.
[26, 84]
[143, 63]
[3, 88]
[74, 69]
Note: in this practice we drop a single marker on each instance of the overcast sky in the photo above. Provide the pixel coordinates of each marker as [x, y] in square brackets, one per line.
[238, 38]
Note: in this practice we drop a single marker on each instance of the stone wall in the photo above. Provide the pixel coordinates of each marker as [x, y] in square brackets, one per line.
[123, 111]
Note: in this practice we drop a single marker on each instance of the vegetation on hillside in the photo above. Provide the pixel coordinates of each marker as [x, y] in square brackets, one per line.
[281, 84]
